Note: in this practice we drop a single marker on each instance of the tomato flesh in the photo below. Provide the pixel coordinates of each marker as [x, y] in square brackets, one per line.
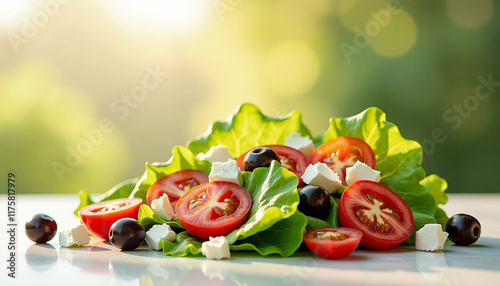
[292, 159]
[98, 218]
[214, 209]
[332, 242]
[380, 214]
[343, 152]
[175, 185]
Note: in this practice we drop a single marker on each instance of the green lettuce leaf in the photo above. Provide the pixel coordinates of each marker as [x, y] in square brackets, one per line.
[437, 187]
[272, 220]
[181, 159]
[398, 160]
[147, 218]
[283, 238]
[183, 245]
[120, 190]
[247, 128]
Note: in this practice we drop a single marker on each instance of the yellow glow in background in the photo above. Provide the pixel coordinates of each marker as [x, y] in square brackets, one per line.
[97, 88]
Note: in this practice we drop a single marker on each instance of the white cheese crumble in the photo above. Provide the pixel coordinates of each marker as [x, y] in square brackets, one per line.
[299, 142]
[162, 208]
[430, 237]
[320, 175]
[226, 171]
[361, 171]
[217, 153]
[158, 233]
[216, 248]
[77, 236]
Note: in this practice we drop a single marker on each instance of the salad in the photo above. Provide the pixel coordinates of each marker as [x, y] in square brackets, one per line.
[270, 220]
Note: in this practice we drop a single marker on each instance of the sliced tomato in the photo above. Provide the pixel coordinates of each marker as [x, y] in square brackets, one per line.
[380, 214]
[292, 159]
[332, 242]
[214, 209]
[343, 152]
[98, 218]
[175, 185]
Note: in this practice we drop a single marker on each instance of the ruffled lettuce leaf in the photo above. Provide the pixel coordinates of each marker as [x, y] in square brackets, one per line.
[147, 218]
[283, 237]
[272, 220]
[437, 187]
[248, 128]
[398, 160]
[181, 159]
[184, 244]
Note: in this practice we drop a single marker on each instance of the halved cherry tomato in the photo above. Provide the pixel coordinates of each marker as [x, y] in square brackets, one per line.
[343, 152]
[99, 217]
[214, 209]
[292, 159]
[380, 214]
[332, 242]
[175, 185]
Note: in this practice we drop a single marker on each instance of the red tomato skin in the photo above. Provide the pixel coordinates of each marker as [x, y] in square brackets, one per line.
[297, 156]
[98, 224]
[167, 185]
[333, 249]
[375, 239]
[341, 144]
[213, 228]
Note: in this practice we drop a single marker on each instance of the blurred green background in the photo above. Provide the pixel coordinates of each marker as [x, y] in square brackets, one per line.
[91, 90]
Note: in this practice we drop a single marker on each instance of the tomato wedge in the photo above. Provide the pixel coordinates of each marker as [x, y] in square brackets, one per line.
[213, 209]
[343, 152]
[332, 242]
[175, 185]
[380, 214]
[99, 217]
[292, 159]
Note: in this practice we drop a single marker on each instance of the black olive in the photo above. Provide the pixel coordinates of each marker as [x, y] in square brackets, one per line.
[126, 234]
[259, 157]
[41, 228]
[314, 201]
[463, 229]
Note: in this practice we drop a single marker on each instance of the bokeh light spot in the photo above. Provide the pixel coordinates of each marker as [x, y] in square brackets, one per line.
[291, 68]
[469, 14]
[354, 17]
[394, 39]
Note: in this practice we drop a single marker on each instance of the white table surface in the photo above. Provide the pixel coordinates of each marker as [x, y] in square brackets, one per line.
[102, 264]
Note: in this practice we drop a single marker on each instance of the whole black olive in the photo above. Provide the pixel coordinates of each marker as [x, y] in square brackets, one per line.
[463, 229]
[41, 228]
[259, 157]
[126, 234]
[314, 201]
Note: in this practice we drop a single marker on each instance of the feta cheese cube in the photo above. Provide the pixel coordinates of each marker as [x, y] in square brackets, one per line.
[320, 175]
[162, 208]
[361, 171]
[297, 141]
[76, 236]
[216, 248]
[217, 153]
[158, 233]
[226, 171]
[430, 237]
